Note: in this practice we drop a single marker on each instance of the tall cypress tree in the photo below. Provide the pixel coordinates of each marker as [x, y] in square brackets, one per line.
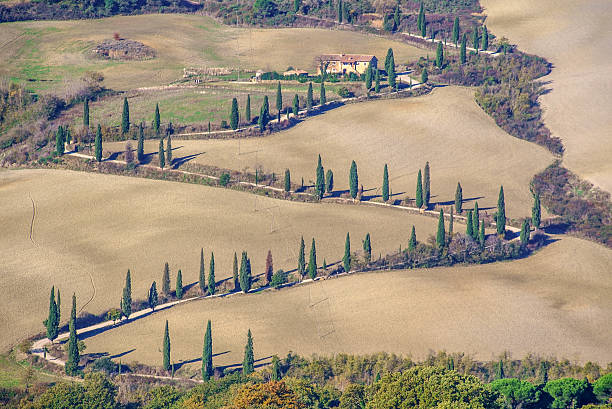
[166, 348]
[153, 297]
[98, 144]
[426, 185]
[368, 78]
[156, 119]
[161, 154]
[320, 177]
[126, 300]
[424, 27]
[234, 114]
[525, 232]
[439, 55]
[235, 273]
[212, 283]
[245, 273]
[249, 360]
[367, 248]
[456, 31]
[202, 278]
[125, 116]
[419, 190]
[340, 13]
[140, 149]
[476, 219]
[322, 97]
[413, 240]
[475, 37]
[441, 235]
[309, 98]
[301, 269]
[169, 150]
[463, 49]
[329, 181]
[459, 198]
[485, 38]
[451, 222]
[296, 105]
[312, 261]
[247, 109]
[269, 267]
[536, 212]
[424, 76]
[501, 212]
[60, 140]
[421, 17]
[52, 322]
[346, 260]
[287, 180]
[276, 370]
[279, 98]
[391, 71]
[72, 364]
[469, 225]
[179, 284]
[86, 113]
[353, 180]
[166, 280]
[263, 115]
[481, 234]
[207, 354]
[377, 81]
[385, 185]
[397, 17]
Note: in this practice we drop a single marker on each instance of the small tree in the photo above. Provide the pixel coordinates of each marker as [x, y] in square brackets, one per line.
[212, 283]
[169, 150]
[368, 78]
[263, 115]
[456, 31]
[269, 267]
[235, 273]
[536, 212]
[329, 181]
[312, 261]
[481, 234]
[309, 98]
[385, 185]
[320, 180]
[353, 180]
[525, 232]
[166, 348]
[424, 76]
[153, 297]
[301, 269]
[367, 248]
[451, 222]
[485, 38]
[72, 364]
[125, 117]
[98, 144]
[179, 284]
[441, 235]
[166, 280]
[469, 225]
[296, 5]
[340, 13]
[426, 185]
[86, 114]
[126, 300]
[156, 120]
[500, 218]
[140, 148]
[161, 154]
[234, 114]
[463, 49]
[459, 198]
[419, 190]
[413, 240]
[296, 105]
[377, 81]
[52, 321]
[287, 180]
[276, 369]
[391, 71]
[202, 277]
[247, 109]
[439, 55]
[249, 360]
[346, 260]
[322, 97]
[207, 354]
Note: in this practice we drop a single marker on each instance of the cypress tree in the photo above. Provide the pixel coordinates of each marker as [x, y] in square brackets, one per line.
[301, 269]
[367, 248]
[60, 140]
[296, 105]
[156, 119]
[287, 180]
[456, 31]
[245, 273]
[451, 223]
[166, 280]
[329, 181]
[340, 14]
[207, 354]
[86, 113]
[312, 261]
[179, 284]
[377, 81]
[353, 180]
[166, 348]
[441, 235]
[234, 114]
[126, 300]
[202, 278]
[169, 150]
[279, 98]
[212, 283]
[269, 267]
[439, 55]
[501, 213]
[309, 97]
[391, 71]
[235, 273]
[421, 17]
[153, 298]
[276, 370]
[424, 27]
[475, 37]
[72, 364]
[320, 183]
[322, 98]
[59, 305]
[249, 361]
[161, 154]
[469, 225]
[346, 260]
[459, 198]
[247, 110]
[397, 17]
[481, 234]
[52, 321]
[125, 117]
[476, 220]
[368, 78]
[424, 76]
[485, 38]
[140, 148]
[98, 144]
[536, 212]
[413, 240]
[500, 370]
[385, 185]
[426, 186]
[463, 49]
[296, 5]
[263, 117]
[525, 232]
[419, 191]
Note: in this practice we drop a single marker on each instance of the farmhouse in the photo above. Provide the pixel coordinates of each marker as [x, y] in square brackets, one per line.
[345, 63]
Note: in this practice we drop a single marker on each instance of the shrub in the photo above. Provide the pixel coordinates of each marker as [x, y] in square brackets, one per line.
[344, 92]
[224, 179]
[279, 278]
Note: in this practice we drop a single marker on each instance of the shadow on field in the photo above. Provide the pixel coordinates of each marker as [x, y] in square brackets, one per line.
[469, 199]
[179, 365]
[238, 367]
[176, 163]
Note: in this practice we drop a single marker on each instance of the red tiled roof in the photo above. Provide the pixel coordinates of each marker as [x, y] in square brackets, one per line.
[347, 58]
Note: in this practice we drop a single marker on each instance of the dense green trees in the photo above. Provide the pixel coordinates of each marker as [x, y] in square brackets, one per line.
[463, 49]
[568, 393]
[152, 300]
[320, 180]
[353, 180]
[207, 354]
[72, 363]
[247, 109]
[500, 218]
[245, 273]
[329, 181]
[52, 321]
[166, 349]
[309, 98]
[602, 388]
[385, 185]
[346, 259]
[98, 144]
[322, 97]
[301, 268]
[202, 276]
[140, 148]
[156, 119]
[179, 284]
[212, 283]
[161, 154]
[166, 280]
[485, 38]
[367, 248]
[234, 114]
[459, 198]
[440, 55]
[426, 186]
[456, 31]
[441, 235]
[518, 394]
[419, 190]
[312, 261]
[86, 114]
[125, 117]
[536, 212]
[169, 150]
[339, 11]
[413, 240]
[248, 364]
[126, 299]
[287, 180]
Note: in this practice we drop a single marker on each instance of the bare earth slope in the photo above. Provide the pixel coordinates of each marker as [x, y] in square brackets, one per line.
[577, 38]
[556, 303]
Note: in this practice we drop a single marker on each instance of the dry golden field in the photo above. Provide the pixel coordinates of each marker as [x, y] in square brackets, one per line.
[575, 37]
[102, 225]
[446, 128]
[555, 303]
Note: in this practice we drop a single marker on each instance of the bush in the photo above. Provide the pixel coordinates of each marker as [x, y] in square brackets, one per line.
[105, 365]
[224, 179]
[279, 278]
[345, 93]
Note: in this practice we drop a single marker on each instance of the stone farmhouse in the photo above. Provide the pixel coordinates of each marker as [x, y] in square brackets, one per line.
[345, 63]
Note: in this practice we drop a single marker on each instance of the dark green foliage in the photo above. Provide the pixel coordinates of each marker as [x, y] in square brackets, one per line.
[86, 113]
[279, 278]
[388, 59]
[481, 234]
[419, 190]
[500, 374]
[476, 219]
[500, 218]
[301, 269]
[368, 78]
[202, 277]
[568, 393]
[469, 225]
[451, 222]
[140, 149]
[424, 28]
[264, 114]
[72, 364]
[536, 212]
[391, 76]
[212, 284]
[161, 154]
[421, 18]
[397, 17]
[269, 267]
[353, 180]
[166, 349]
[329, 181]
[166, 280]
[234, 114]
[247, 109]
[156, 119]
[126, 299]
[340, 14]
[602, 388]
[519, 394]
[296, 5]
[367, 248]
[377, 81]
[385, 185]
[279, 98]
[179, 284]
[207, 354]
[441, 234]
[322, 97]
[125, 117]
[245, 273]
[320, 180]
[287, 180]
[413, 240]
[312, 261]
[153, 297]
[276, 370]
[169, 150]
[224, 179]
[475, 38]
[459, 198]
[309, 98]
[249, 360]
[98, 144]
[440, 55]
[456, 31]
[485, 38]
[296, 105]
[346, 260]
[235, 274]
[426, 186]
[52, 321]
[60, 139]
[525, 232]
[463, 49]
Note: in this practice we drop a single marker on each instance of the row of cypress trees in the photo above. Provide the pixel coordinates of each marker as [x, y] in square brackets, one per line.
[52, 330]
